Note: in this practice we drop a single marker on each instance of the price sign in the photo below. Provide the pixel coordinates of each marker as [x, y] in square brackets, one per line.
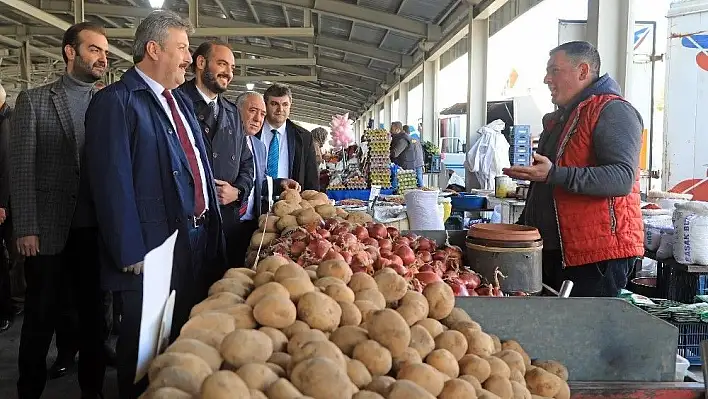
[375, 191]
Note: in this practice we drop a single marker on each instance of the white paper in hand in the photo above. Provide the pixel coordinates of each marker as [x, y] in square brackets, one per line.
[157, 274]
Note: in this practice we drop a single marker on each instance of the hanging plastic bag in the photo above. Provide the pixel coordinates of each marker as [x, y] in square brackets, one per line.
[489, 154]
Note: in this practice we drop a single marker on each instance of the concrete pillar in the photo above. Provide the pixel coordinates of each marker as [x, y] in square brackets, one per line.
[430, 111]
[387, 109]
[476, 84]
[25, 63]
[610, 28]
[376, 113]
[403, 103]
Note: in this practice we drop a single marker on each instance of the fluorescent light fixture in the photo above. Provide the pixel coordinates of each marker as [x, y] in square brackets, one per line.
[156, 3]
[250, 86]
[267, 82]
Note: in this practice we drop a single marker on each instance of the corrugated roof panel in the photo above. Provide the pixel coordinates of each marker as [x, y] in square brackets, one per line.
[331, 54]
[296, 17]
[335, 26]
[426, 10]
[355, 59]
[383, 5]
[238, 10]
[270, 14]
[381, 66]
[368, 34]
[398, 42]
[282, 44]
[257, 41]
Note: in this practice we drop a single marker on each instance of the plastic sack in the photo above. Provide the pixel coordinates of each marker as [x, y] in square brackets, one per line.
[691, 233]
[667, 200]
[496, 215]
[489, 154]
[423, 211]
[666, 245]
[652, 237]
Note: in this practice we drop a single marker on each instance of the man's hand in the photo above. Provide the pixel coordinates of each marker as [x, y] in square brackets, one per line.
[225, 192]
[290, 184]
[3, 215]
[537, 172]
[28, 245]
[136, 268]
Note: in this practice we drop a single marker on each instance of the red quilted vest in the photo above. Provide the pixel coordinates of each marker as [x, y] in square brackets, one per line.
[593, 229]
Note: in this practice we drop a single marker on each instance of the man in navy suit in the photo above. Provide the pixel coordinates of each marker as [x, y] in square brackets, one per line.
[150, 176]
[252, 110]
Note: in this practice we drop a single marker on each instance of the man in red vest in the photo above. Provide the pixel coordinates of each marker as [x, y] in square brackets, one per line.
[584, 196]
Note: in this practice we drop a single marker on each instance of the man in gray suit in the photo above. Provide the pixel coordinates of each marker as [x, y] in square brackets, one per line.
[53, 215]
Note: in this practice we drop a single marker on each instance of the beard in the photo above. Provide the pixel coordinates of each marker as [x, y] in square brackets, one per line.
[210, 81]
[85, 72]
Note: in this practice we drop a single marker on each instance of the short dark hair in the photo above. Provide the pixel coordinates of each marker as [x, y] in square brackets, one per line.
[397, 124]
[579, 52]
[71, 36]
[406, 129]
[277, 90]
[205, 50]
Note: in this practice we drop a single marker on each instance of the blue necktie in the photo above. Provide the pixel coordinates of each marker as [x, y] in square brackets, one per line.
[273, 155]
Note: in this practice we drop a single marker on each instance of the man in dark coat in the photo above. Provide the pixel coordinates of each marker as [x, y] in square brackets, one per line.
[289, 147]
[6, 311]
[231, 159]
[150, 176]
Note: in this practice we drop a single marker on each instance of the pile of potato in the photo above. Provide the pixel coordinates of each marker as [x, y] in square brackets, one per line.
[285, 332]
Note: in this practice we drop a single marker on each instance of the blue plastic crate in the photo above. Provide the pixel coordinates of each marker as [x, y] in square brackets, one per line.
[468, 202]
[675, 284]
[689, 341]
[518, 130]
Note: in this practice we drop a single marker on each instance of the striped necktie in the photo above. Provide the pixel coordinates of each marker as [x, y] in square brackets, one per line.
[273, 155]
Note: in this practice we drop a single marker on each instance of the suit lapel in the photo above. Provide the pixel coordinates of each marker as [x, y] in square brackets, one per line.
[293, 138]
[61, 105]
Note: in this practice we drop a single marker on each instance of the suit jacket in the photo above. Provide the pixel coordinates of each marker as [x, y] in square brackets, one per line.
[303, 162]
[5, 114]
[141, 182]
[44, 166]
[260, 190]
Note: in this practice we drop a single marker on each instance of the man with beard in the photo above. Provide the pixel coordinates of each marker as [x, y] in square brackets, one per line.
[290, 151]
[53, 216]
[150, 176]
[231, 160]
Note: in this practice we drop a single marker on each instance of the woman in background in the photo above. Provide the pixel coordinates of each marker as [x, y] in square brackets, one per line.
[319, 136]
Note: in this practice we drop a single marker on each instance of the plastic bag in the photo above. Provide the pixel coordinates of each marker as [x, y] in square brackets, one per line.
[666, 245]
[691, 241]
[489, 154]
[423, 211]
[652, 237]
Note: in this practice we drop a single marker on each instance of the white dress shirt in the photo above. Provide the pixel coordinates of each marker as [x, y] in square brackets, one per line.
[208, 101]
[284, 156]
[158, 89]
[250, 212]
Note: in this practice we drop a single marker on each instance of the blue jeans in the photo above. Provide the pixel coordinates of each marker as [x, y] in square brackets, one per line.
[419, 176]
[602, 279]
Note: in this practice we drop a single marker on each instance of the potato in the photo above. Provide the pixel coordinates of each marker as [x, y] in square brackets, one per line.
[351, 315]
[443, 361]
[268, 289]
[484, 394]
[275, 311]
[282, 359]
[498, 367]
[475, 366]
[381, 384]
[251, 256]
[326, 211]
[335, 268]
[375, 357]
[361, 218]
[209, 337]
[186, 361]
[277, 337]
[541, 382]
[296, 327]
[166, 393]
[269, 222]
[180, 378]
[257, 376]
[297, 287]
[285, 208]
[324, 282]
[256, 394]
[499, 386]
[564, 391]
[361, 281]
[309, 216]
[457, 315]
[205, 352]
[303, 338]
[319, 311]
[404, 389]
[217, 301]
[388, 328]
[263, 278]
[242, 315]
[340, 293]
[433, 326]
[310, 194]
[289, 270]
[366, 308]
[224, 384]
[246, 346]
[513, 345]
[232, 285]
[480, 344]
[212, 320]
[421, 341]
[453, 341]
[372, 295]
[517, 376]
[440, 298]
[497, 343]
[513, 359]
[271, 264]
[553, 367]
[367, 395]
[286, 222]
[305, 205]
[320, 349]
[283, 389]
[239, 273]
[319, 199]
[392, 286]
[457, 389]
[358, 373]
[424, 375]
[348, 337]
[520, 390]
[409, 355]
[290, 195]
[262, 240]
[321, 379]
[341, 213]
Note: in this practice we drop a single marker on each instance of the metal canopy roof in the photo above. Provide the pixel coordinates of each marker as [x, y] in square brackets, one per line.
[344, 53]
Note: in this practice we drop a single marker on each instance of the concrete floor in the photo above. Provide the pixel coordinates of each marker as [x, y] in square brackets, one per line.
[66, 387]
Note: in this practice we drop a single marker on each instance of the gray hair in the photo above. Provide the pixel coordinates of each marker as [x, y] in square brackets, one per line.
[241, 100]
[581, 52]
[155, 27]
[3, 95]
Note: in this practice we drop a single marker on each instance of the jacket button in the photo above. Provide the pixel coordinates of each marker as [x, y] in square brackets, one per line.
[201, 117]
[175, 173]
[178, 220]
[216, 155]
[233, 157]
[169, 131]
[206, 130]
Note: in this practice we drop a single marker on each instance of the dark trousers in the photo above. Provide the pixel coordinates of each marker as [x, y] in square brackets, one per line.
[53, 283]
[190, 284]
[602, 279]
[6, 312]
[238, 239]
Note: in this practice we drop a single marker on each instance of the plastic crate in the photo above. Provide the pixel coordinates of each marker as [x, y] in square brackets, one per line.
[468, 202]
[689, 341]
[678, 285]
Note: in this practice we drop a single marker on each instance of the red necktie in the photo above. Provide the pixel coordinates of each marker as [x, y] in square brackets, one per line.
[244, 208]
[199, 205]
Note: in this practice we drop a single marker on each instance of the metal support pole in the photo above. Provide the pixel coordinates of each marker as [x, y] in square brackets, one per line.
[476, 84]
[194, 12]
[430, 77]
[403, 103]
[26, 64]
[78, 11]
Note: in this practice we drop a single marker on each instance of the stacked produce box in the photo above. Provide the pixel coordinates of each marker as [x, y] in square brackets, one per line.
[406, 180]
[379, 141]
[329, 327]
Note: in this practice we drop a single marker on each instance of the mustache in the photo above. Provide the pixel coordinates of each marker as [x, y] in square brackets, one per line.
[184, 65]
[99, 64]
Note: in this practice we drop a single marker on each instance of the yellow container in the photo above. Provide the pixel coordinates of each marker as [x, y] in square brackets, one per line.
[446, 207]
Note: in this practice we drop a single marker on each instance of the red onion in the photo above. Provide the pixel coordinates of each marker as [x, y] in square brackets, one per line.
[406, 254]
[324, 233]
[385, 243]
[395, 259]
[331, 223]
[347, 256]
[360, 232]
[484, 291]
[453, 252]
[370, 242]
[440, 255]
[298, 235]
[459, 289]
[333, 255]
[424, 256]
[386, 253]
[297, 248]
[346, 240]
[471, 280]
[427, 277]
[402, 241]
[382, 262]
[411, 236]
[373, 252]
[340, 229]
[425, 244]
[400, 269]
[378, 231]
[318, 249]
[393, 232]
[426, 268]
